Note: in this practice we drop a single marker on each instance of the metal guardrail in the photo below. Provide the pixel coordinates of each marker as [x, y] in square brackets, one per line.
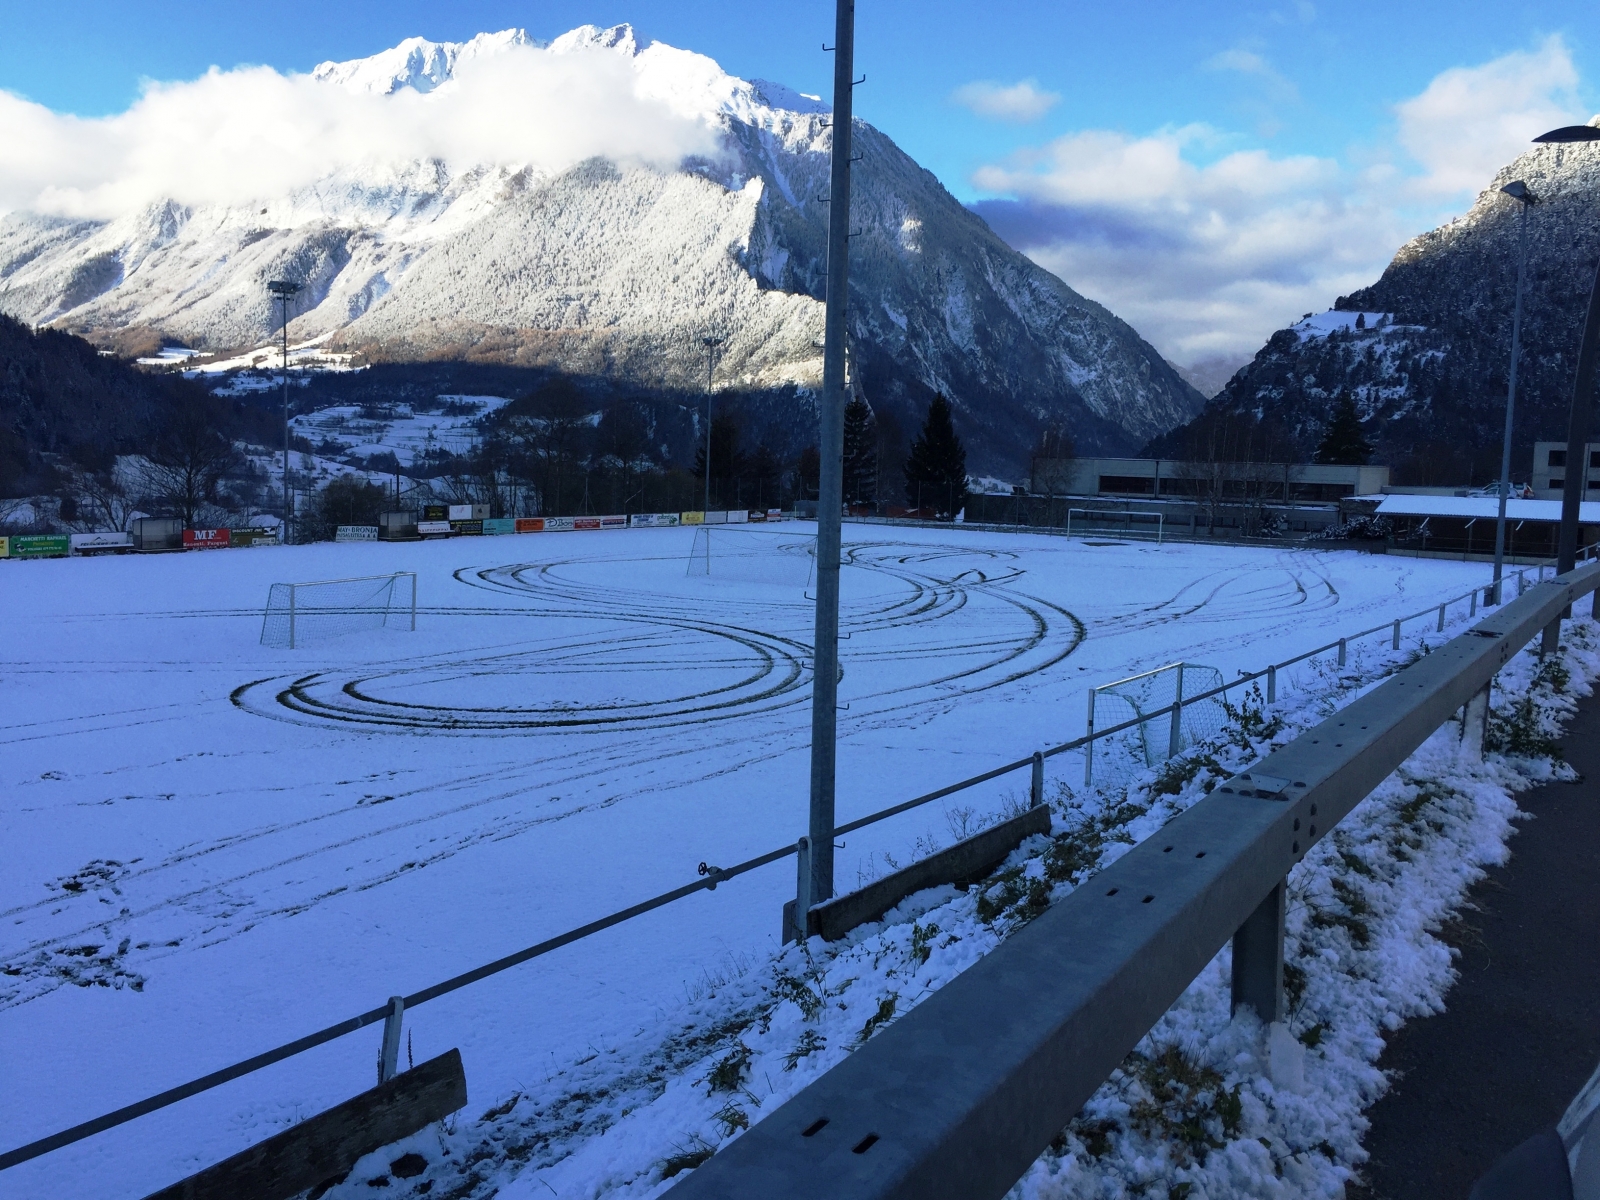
[958, 1097]
[391, 1012]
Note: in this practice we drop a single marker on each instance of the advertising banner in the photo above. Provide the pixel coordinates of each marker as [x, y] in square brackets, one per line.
[613, 522]
[692, 518]
[356, 533]
[586, 522]
[715, 518]
[530, 524]
[560, 524]
[39, 545]
[500, 525]
[101, 543]
[460, 512]
[206, 539]
[653, 520]
[738, 516]
[5, 547]
[774, 514]
[435, 512]
[253, 537]
[468, 527]
[434, 528]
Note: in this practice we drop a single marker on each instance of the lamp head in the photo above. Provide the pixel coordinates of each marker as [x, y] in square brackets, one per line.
[1518, 190]
[1570, 133]
[282, 287]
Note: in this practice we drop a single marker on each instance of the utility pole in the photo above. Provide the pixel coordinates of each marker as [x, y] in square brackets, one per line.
[284, 290]
[1517, 190]
[830, 484]
[711, 344]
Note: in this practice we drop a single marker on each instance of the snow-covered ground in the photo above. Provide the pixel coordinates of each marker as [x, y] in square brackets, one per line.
[214, 847]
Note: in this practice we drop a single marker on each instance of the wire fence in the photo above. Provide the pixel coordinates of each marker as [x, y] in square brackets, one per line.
[712, 876]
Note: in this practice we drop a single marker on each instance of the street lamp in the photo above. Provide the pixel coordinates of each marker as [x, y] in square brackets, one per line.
[284, 290]
[711, 344]
[1518, 191]
[1582, 388]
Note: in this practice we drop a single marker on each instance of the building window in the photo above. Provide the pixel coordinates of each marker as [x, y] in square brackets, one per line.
[1558, 458]
[1558, 482]
[1137, 485]
[1594, 459]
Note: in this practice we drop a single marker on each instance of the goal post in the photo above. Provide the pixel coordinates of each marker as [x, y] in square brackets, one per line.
[300, 612]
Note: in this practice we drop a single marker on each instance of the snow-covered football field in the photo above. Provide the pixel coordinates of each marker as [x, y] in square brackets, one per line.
[212, 846]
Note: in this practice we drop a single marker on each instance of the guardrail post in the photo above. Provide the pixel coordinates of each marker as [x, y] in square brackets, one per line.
[795, 927]
[1258, 958]
[1397, 634]
[1441, 619]
[1475, 723]
[1344, 647]
[1472, 608]
[389, 1056]
[1175, 735]
[1036, 784]
[1272, 685]
[1550, 639]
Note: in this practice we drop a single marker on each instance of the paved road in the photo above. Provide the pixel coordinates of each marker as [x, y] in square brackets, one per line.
[1521, 1032]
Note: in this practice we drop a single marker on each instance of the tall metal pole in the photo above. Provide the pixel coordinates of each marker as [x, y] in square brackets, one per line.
[283, 289]
[711, 344]
[830, 485]
[1518, 191]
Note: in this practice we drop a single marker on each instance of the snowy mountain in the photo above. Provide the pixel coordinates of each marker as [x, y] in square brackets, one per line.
[1427, 361]
[614, 269]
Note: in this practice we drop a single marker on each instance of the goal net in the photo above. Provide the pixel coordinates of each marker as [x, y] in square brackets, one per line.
[302, 612]
[746, 556]
[1152, 742]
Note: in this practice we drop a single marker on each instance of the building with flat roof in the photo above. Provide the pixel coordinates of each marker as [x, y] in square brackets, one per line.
[1277, 483]
[1550, 470]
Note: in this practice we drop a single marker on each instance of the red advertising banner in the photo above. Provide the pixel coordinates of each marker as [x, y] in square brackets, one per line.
[586, 522]
[530, 524]
[206, 539]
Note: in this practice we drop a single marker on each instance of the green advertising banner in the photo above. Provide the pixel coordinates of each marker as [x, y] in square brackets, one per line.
[40, 545]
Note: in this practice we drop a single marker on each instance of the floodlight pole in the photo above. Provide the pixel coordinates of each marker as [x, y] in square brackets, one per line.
[711, 344]
[830, 483]
[284, 289]
[1517, 190]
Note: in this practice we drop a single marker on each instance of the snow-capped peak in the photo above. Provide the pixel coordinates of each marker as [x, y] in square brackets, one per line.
[416, 63]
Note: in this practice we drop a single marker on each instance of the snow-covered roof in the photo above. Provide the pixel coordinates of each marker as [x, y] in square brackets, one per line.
[1482, 506]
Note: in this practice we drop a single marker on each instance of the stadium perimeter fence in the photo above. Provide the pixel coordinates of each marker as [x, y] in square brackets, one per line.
[392, 1011]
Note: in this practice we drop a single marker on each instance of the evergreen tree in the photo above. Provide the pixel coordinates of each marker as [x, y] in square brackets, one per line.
[860, 453]
[727, 459]
[936, 469]
[1343, 441]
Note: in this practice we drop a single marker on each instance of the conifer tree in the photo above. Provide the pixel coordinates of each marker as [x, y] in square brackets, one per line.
[936, 469]
[860, 452]
[1343, 441]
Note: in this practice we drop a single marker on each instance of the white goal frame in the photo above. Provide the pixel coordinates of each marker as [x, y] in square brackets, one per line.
[392, 578]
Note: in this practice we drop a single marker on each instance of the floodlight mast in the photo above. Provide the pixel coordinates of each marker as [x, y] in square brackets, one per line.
[284, 290]
[1582, 388]
[830, 482]
[711, 344]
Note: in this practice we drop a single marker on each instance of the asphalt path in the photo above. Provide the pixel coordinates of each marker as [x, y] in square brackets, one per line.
[1521, 1030]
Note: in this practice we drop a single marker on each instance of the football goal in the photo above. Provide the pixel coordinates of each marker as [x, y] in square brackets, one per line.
[1151, 742]
[747, 556]
[301, 612]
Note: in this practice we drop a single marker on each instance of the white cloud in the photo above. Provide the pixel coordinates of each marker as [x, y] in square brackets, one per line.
[1019, 102]
[240, 135]
[1470, 121]
[1208, 252]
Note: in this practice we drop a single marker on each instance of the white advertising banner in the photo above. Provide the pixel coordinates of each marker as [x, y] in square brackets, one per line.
[88, 543]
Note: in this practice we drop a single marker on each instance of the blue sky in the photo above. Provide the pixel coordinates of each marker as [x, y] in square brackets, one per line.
[1202, 168]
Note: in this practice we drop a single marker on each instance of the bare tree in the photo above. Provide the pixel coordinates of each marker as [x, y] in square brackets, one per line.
[189, 459]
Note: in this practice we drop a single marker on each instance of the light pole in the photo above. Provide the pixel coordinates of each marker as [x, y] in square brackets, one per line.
[711, 344]
[284, 290]
[1518, 191]
[1582, 389]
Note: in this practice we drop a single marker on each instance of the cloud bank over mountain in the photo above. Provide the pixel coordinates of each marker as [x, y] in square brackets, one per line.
[231, 137]
[1207, 247]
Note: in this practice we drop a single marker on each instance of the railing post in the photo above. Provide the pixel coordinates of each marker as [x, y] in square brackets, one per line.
[1441, 619]
[1036, 784]
[1258, 958]
[389, 1056]
[1088, 746]
[1475, 723]
[1397, 634]
[1343, 651]
[796, 912]
[1472, 610]
[1175, 735]
[1272, 685]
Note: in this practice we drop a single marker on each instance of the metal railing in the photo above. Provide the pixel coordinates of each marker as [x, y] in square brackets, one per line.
[957, 1098]
[391, 1012]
